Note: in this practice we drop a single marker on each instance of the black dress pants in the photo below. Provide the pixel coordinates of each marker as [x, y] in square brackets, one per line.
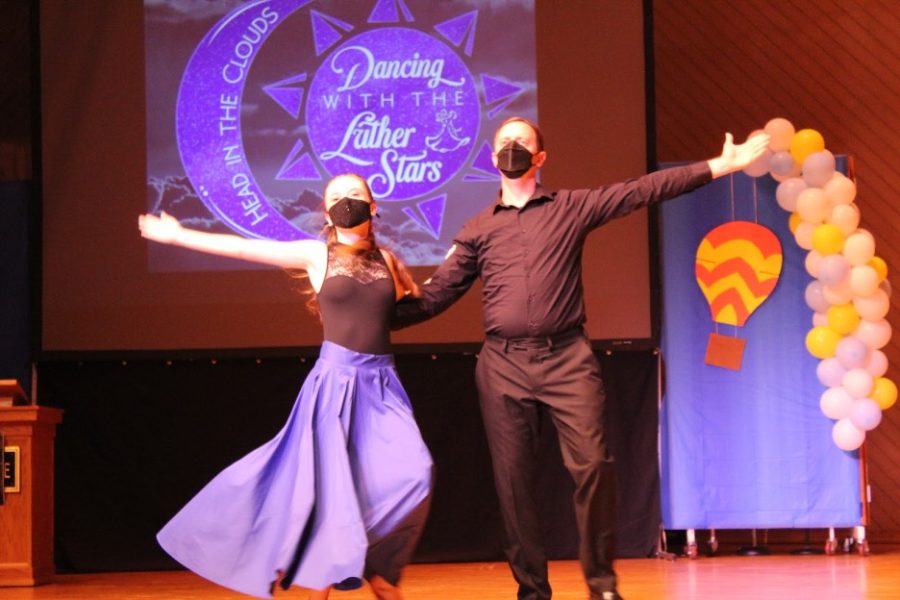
[517, 379]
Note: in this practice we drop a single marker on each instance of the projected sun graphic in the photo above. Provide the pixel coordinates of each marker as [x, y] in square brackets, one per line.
[281, 95]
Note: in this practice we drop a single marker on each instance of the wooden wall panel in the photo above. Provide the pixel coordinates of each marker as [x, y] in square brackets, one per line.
[829, 65]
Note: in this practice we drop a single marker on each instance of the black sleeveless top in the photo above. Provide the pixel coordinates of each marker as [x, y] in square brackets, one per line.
[357, 301]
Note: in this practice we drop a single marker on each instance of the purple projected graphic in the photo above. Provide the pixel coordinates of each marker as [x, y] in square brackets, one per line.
[277, 96]
[396, 106]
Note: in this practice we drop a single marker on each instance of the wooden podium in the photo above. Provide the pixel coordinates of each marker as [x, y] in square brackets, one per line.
[26, 515]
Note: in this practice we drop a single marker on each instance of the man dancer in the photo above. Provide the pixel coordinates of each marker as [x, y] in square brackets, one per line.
[526, 247]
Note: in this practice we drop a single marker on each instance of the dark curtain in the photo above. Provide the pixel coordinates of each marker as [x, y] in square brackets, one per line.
[140, 437]
[15, 314]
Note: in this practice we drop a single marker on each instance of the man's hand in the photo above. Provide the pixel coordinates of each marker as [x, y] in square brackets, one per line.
[736, 157]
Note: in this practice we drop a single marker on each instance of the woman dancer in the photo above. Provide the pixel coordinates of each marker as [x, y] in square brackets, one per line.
[342, 492]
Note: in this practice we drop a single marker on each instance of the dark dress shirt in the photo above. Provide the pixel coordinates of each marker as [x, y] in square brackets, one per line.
[529, 258]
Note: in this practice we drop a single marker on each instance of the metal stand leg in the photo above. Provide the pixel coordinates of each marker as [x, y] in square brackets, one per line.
[831, 543]
[807, 547]
[690, 548]
[862, 544]
[662, 547]
[754, 549]
[712, 543]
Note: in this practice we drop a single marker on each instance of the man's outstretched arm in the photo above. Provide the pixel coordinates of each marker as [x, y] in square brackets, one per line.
[450, 281]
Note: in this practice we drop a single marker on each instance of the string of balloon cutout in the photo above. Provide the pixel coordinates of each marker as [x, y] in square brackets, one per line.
[849, 294]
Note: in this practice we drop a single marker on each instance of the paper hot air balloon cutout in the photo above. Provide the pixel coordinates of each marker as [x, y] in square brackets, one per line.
[738, 265]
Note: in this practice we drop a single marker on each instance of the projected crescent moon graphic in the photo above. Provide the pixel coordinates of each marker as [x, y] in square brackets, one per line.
[388, 98]
[208, 120]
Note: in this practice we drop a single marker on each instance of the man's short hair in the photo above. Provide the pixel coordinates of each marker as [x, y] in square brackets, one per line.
[537, 130]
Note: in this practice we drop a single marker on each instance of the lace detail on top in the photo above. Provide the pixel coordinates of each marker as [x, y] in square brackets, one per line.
[364, 268]
[357, 308]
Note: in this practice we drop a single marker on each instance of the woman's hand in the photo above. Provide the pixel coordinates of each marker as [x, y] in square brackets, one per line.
[164, 228]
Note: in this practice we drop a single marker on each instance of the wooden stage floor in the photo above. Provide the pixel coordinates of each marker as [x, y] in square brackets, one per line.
[775, 577]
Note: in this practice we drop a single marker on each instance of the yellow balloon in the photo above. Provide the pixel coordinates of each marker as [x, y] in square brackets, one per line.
[804, 143]
[822, 341]
[793, 221]
[843, 318]
[880, 267]
[884, 392]
[828, 239]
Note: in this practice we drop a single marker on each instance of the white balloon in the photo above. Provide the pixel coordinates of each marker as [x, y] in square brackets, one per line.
[787, 191]
[820, 319]
[818, 168]
[834, 270]
[835, 403]
[812, 262]
[859, 247]
[781, 132]
[875, 334]
[845, 216]
[781, 164]
[876, 364]
[873, 307]
[840, 189]
[815, 297]
[838, 294]
[865, 414]
[863, 280]
[813, 206]
[846, 435]
[760, 166]
[858, 383]
[851, 352]
[803, 235]
[795, 172]
[831, 372]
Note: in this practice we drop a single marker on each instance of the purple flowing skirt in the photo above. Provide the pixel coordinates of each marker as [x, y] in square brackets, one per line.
[346, 469]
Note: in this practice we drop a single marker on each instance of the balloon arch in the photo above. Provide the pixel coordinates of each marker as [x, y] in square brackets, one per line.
[850, 293]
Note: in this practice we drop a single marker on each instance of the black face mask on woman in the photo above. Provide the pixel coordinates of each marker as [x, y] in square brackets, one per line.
[514, 160]
[349, 212]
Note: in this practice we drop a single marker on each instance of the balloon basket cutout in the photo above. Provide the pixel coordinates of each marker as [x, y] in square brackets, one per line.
[737, 268]
[849, 293]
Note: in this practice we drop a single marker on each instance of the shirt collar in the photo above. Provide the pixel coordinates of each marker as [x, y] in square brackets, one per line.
[539, 193]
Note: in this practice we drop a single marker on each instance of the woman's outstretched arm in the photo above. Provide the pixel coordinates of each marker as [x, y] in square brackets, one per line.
[302, 254]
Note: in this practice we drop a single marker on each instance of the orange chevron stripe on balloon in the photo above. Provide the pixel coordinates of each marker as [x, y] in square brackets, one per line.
[738, 265]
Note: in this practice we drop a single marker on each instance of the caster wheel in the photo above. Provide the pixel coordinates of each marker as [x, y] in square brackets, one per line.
[713, 546]
[830, 547]
[862, 548]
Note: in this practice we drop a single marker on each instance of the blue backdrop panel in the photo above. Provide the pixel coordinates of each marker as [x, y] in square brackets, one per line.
[748, 448]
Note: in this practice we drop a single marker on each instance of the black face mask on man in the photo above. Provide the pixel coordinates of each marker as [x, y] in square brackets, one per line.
[514, 160]
[347, 213]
